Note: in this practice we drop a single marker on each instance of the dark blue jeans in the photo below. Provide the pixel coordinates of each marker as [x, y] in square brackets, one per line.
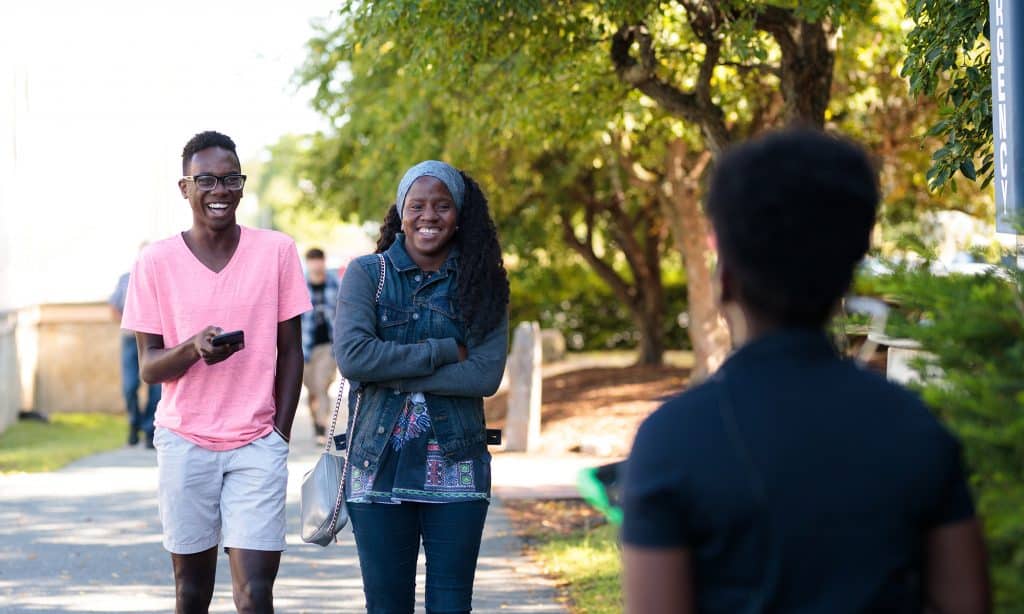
[139, 420]
[388, 541]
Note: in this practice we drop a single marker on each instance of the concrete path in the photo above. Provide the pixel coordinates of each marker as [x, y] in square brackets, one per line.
[519, 475]
[87, 539]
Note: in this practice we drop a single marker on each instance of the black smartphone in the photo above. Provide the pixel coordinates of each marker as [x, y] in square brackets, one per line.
[231, 338]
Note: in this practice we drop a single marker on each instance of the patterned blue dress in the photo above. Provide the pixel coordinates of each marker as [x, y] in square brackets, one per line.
[413, 468]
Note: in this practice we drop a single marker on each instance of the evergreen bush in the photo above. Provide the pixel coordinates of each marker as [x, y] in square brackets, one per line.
[972, 327]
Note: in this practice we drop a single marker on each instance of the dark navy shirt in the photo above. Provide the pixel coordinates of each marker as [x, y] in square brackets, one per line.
[321, 329]
[798, 481]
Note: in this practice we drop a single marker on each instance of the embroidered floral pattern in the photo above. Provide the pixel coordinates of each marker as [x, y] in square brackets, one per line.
[413, 422]
[413, 467]
[360, 483]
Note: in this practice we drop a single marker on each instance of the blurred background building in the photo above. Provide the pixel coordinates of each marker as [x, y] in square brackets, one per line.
[95, 107]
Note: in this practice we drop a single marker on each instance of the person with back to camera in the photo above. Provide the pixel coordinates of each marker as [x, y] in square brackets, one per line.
[421, 359]
[794, 480]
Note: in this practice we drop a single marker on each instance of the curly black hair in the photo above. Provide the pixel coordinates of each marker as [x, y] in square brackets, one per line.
[793, 213]
[482, 283]
[205, 140]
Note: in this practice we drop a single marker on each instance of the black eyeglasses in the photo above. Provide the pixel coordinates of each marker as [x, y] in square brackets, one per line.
[208, 182]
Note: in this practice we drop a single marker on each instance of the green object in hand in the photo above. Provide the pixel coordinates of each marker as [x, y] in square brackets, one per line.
[599, 487]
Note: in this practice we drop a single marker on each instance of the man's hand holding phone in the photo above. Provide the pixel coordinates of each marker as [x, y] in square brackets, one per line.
[214, 345]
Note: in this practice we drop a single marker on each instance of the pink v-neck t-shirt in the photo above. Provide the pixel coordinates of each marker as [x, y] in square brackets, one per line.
[171, 293]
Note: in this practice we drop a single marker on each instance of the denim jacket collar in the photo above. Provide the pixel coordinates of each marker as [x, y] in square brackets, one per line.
[403, 262]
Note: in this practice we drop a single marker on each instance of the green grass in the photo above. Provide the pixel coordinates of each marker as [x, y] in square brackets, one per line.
[589, 563]
[31, 446]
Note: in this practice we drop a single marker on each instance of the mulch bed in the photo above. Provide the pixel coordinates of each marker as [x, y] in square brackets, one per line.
[534, 520]
[596, 411]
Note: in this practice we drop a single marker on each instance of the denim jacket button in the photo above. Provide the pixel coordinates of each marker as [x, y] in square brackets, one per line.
[366, 463]
[380, 430]
[415, 316]
[417, 278]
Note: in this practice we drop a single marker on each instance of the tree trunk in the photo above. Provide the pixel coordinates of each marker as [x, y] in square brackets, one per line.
[651, 345]
[650, 315]
[806, 68]
[690, 231]
[644, 297]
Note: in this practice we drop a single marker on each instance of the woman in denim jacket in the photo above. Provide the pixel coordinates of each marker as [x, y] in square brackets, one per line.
[420, 360]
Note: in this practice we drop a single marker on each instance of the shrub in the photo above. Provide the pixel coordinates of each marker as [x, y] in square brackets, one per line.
[973, 327]
[574, 300]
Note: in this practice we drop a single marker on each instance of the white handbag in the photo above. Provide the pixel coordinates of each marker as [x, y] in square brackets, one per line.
[322, 509]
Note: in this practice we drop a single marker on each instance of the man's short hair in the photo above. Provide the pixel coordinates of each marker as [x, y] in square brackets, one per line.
[793, 213]
[315, 253]
[205, 140]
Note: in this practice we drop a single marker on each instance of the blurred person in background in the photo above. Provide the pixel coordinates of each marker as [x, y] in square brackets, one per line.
[317, 336]
[140, 420]
[795, 480]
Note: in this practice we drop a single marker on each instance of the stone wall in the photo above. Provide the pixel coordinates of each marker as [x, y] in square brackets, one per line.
[78, 364]
[10, 388]
[59, 358]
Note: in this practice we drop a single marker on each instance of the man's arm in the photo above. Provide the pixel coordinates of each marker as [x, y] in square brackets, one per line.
[159, 364]
[956, 569]
[657, 580]
[117, 299]
[288, 379]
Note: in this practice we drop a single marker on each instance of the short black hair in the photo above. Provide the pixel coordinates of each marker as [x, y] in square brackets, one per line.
[205, 140]
[315, 253]
[793, 213]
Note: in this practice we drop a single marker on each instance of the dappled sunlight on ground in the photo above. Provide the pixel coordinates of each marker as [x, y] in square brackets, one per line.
[102, 599]
[87, 539]
[597, 411]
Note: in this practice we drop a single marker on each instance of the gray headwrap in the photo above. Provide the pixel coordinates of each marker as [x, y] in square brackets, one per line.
[438, 170]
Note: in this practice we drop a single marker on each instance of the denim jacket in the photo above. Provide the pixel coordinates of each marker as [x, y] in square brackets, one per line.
[408, 342]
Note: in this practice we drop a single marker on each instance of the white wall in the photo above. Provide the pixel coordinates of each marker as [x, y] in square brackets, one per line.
[97, 100]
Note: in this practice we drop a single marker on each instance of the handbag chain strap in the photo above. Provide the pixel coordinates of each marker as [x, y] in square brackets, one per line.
[340, 499]
[344, 380]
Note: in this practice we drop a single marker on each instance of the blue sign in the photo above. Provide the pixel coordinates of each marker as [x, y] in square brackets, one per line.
[1006, 21]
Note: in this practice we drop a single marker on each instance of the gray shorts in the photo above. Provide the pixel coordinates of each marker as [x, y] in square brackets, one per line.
[236, 494]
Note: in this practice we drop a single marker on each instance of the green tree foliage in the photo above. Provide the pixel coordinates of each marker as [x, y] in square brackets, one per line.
[948, 59]
[283, 189]
[593, 90]
[973, 327]
[591, 124]
[871, 102]
[570, 298]
[552, 190]
[277, 181]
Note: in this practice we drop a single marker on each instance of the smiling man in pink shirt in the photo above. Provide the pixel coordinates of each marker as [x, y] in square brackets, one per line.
[223, 422]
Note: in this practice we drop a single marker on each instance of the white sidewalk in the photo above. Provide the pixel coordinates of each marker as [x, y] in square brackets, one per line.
[87, 539]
